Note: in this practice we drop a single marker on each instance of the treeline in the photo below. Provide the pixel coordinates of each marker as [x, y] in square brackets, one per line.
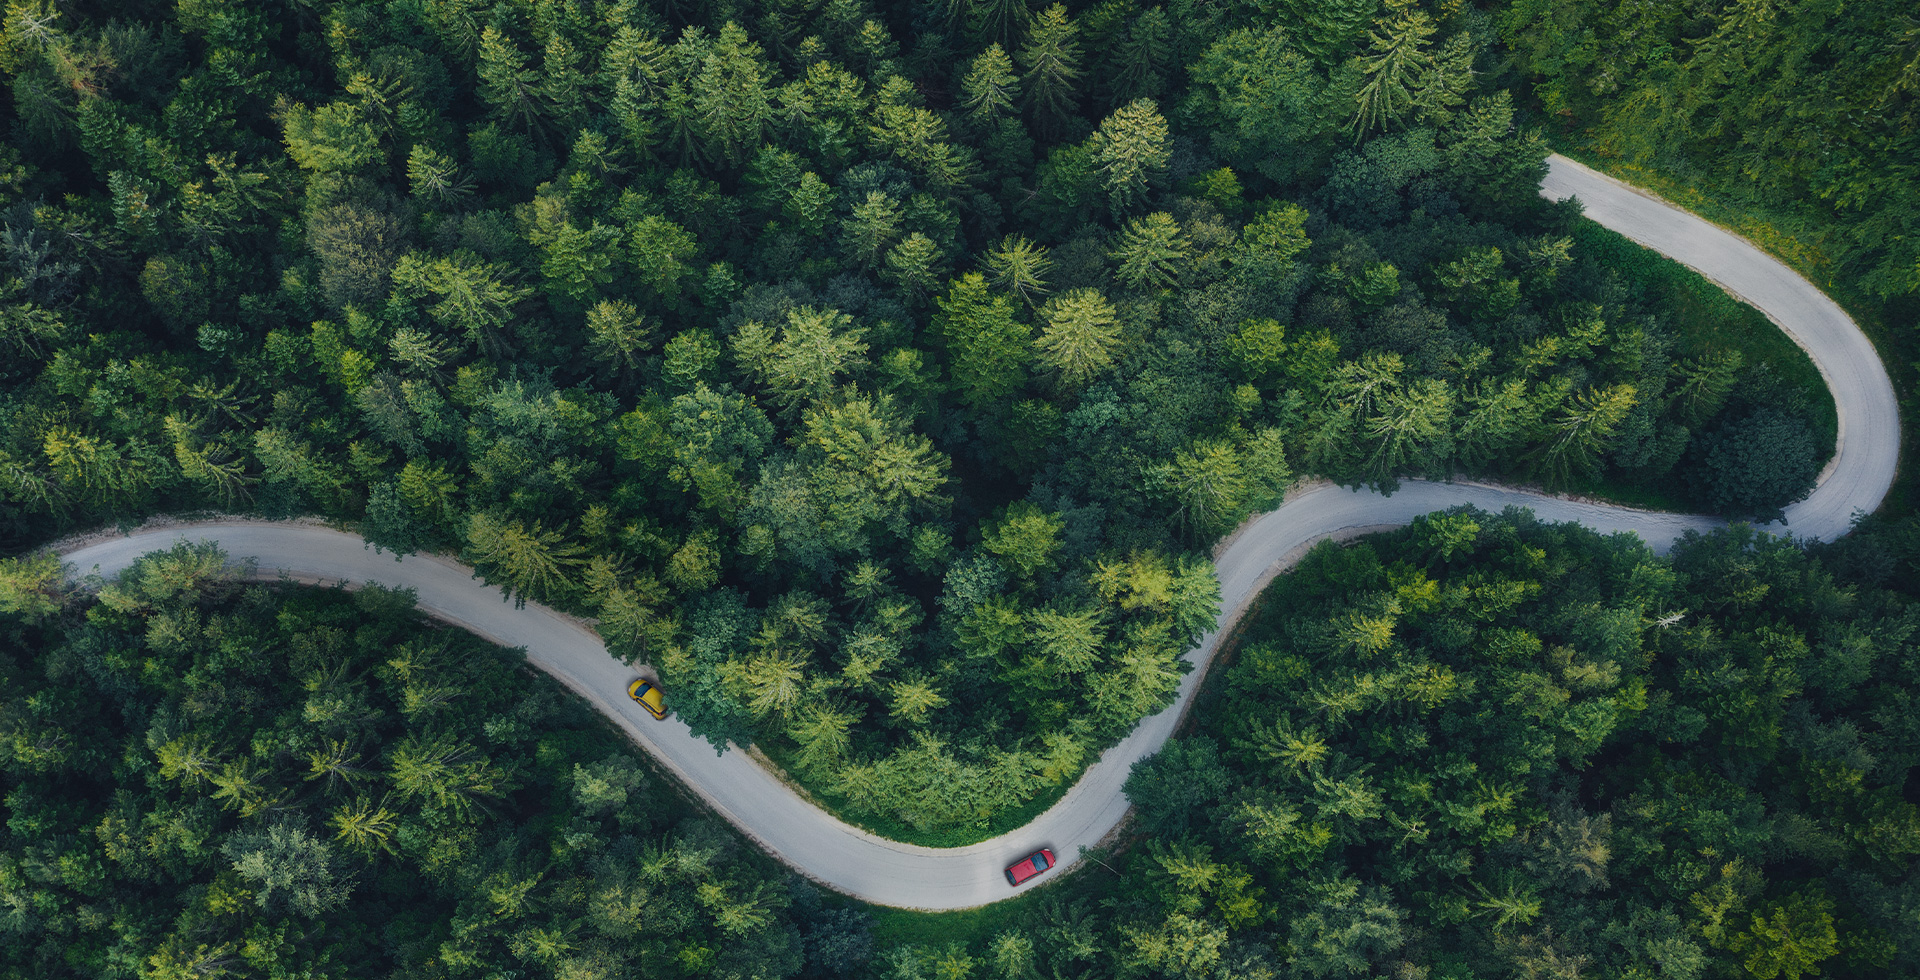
[205, 778]
[1488, 747]
[1811, 110]
[847, 361]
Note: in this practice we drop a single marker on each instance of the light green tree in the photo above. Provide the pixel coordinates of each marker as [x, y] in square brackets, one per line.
[1130, 150]
[1019, 267]
[1024, 539]
[871, 229]
[1153, 252]
[1411, 429]
[987, 346]
[30, 587]
[990, 88]
[366, 826]
[617, 335]
[815, 350]
[535, 562]
[822, 734]
[1080, 335]
[1574, 438]
[288, 869]
[913, 265]
[1395, 64]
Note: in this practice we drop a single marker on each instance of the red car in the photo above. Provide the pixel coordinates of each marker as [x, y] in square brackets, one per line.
[1029, 866]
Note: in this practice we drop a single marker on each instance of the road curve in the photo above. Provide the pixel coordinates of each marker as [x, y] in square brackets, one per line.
[890, 873]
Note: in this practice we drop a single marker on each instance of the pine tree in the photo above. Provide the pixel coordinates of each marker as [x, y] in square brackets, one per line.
[1395, 64]
[912, 700]
[1051, 57]
[990, 88]
[618, 335]
[1411, 429]
[434, 179]
[1208, 484]
[535, 562]
[731, 96]
[913, 265]
[1019, 267]
[508, 87]
[997, 21]
[1153, 253]
[365, 826]
[1141, 57]
[772, 684]
[1573, 441]
[1130, 149]
[1080, 336]
[987, 346]
[822, 733]
[871, 229]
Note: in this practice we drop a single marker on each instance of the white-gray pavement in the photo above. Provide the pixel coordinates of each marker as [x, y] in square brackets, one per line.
[891, 873]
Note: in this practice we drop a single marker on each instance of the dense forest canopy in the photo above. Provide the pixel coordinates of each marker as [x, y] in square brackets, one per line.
[1810, 109]
[205, 778]
[841, 358]
[1479, 747]
[1483, 746]
[846, 359]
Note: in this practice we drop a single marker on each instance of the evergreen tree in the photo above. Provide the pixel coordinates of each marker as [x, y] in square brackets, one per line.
[1051, 60]
[1080, 335]
[989, 348]
[1395, 65]
[1130, 149]
[1019, 267]
[1153, 253]
[990, 89]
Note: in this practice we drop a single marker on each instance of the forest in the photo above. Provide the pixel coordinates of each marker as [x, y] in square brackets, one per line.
[837, 359]
[207, 778]
[1810, 111]
[1478, 747]
[844, 358]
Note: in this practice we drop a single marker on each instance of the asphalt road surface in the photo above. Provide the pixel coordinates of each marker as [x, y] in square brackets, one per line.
[890, 873]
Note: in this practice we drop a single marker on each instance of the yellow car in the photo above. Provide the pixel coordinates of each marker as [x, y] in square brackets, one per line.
[645, 693]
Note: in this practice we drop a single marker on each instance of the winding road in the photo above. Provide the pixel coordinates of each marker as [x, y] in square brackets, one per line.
[890, 873]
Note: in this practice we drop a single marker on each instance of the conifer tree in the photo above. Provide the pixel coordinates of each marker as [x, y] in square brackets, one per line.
[1153, 252]
[1080, 335]
[1395, 64]
[1019, 267]
[1130, 149]
[990, 88]
[1051, 59]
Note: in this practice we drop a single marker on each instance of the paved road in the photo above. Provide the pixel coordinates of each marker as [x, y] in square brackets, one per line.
[891, 873]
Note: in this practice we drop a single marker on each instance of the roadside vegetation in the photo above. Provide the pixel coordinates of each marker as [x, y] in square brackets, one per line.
[842, 360]
[1477, 747]
[1488, 747]
[880, 372]
[1792, 124]
[207, 778]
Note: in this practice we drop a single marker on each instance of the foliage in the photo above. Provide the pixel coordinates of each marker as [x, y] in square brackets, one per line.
[1486, 746]
[1808, 109]
[841, 359]
[255, 781]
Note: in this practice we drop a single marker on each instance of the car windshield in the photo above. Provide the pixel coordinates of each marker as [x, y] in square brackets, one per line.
[1040, 862]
